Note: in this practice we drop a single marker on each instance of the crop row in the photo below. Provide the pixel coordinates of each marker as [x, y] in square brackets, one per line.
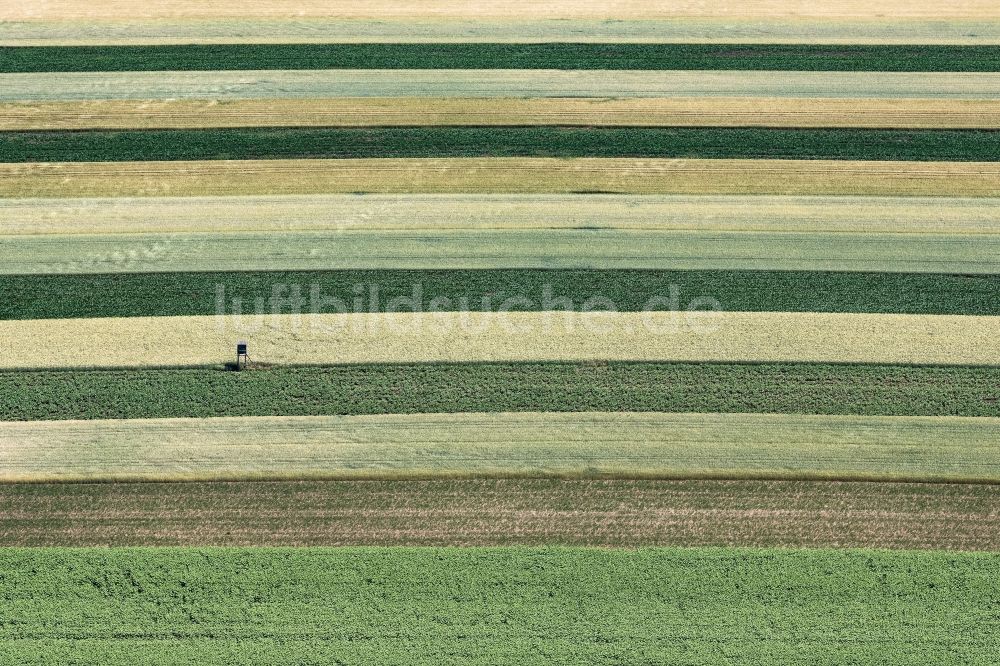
[504, 512]
[499, 175]
[414, 142]
[194, 294]
[501, 387]
[772, 57]
[487, 606]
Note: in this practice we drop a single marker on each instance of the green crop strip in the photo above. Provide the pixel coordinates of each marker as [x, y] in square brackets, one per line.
[807, 388]
[496, 605]
[868, 58]
[193, 294]
[428, 142]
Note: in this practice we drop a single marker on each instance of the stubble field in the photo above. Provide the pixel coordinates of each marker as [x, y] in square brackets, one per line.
[563, 112]
[617, 513]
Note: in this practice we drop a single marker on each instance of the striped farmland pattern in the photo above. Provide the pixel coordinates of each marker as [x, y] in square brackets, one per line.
[720, 283]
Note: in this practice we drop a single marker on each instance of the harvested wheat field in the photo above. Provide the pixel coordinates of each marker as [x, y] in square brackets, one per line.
[503, 512]
[637, 445]
[499, 175]
[471, 83]
[54, 10]
[125, 217]
[410, 111]
[502, 336]
[317, 30]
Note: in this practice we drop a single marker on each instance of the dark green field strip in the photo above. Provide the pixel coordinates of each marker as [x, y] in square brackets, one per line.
[500, 387]
[504, 512]
[789, 57]
[430, 142]
[477, 606]
[178, 294]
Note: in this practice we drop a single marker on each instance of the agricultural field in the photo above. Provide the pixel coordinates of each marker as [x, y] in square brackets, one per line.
[491, 83]
[352, 232]
[576, 333]
[498, 112]
[568, 445]
[606, 247]
[142, 294]
[55, 10]
[482, 212]
[499, 175]
[762, 29]
[392, 388]
[483, 605]
[609, 513]
[442, 142]
[468, 337]
[623, 57]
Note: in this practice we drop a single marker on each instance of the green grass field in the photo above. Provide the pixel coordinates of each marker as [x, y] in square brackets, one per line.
[488, 606]
[494, 387]
[802, 57]
[327, 143]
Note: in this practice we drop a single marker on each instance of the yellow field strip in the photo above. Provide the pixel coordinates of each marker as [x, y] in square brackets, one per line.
[409, 111]
[781, 30]
[523, 9]
[501, 336]
[428, 213]
[498, 175]
[630, 445]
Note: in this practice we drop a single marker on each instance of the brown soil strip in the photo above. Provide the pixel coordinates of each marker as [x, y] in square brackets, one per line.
[505, 512]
